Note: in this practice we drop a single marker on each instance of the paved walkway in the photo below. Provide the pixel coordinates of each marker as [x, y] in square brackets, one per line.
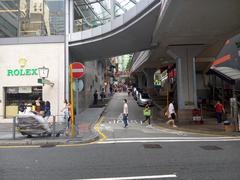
[209, 125]
[86, 120]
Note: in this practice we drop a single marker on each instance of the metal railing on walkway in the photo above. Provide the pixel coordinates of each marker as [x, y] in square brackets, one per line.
[35, 126]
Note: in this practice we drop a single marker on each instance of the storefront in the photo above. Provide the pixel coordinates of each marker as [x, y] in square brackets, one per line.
[14, 96]
[20, 79]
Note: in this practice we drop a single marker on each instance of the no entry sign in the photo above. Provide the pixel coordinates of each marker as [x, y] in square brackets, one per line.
[78, 70]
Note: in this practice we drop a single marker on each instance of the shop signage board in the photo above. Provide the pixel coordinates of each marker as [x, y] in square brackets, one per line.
[25, 89]
[78, 70]
[22, 72]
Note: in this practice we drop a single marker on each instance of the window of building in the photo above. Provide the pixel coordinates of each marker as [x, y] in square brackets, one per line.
[14, 96]
[31, 18]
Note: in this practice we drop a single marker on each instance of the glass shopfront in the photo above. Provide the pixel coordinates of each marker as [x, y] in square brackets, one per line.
[14, 96]
[31, 18]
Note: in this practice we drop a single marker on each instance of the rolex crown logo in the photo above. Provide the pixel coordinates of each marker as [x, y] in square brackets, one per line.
[22, 62]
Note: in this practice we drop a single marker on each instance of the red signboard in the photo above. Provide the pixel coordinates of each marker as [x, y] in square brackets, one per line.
[78, 70]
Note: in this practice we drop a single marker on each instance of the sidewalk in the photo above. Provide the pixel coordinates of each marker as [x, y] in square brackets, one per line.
[87, 119]
[209, 125]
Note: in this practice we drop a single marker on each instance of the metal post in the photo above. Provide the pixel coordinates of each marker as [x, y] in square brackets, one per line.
[66, 49]
[77, 96]
[54, 126]
[77, 105]
[72, 102]
[235, 115]
[201, 106]
[222, 83]
[14, 128]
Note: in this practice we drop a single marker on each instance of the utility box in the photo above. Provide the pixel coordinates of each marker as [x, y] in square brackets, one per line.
[228, 127]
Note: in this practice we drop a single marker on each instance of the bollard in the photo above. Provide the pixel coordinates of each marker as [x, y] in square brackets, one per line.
[14, 128]
[54, 126]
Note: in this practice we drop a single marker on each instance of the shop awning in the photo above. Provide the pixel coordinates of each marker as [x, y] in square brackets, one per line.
[226, 73]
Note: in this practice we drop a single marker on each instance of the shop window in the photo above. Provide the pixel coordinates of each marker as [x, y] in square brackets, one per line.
[16, 95]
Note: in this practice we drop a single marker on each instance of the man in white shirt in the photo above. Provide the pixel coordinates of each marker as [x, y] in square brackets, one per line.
[125, 113]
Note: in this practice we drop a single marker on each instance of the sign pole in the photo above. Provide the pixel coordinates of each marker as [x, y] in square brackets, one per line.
[77, 96]
[77, 70]
[77, 106]
[72, 102]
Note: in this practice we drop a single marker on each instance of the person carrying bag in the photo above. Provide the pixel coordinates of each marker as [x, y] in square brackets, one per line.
[147, 114]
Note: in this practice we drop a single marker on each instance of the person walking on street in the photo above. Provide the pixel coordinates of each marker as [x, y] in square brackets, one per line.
[171, 114]
[67, 112]
[219, 109]
[147, 114]
[95, 97]
[125, 113]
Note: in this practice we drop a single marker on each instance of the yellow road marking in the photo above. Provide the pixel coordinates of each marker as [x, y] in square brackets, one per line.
[104, 137]
[15, 147]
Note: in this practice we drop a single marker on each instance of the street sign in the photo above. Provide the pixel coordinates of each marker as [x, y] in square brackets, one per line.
[78, 85]
[45, 81]
[78, 70]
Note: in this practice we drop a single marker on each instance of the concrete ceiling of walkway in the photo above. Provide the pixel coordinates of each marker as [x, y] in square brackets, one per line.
[136, 35]
[193, 22]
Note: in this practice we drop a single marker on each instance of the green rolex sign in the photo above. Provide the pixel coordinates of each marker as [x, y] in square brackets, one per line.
[22, 72]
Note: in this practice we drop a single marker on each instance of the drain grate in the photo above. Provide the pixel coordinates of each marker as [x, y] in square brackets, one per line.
[213, 148]
[152, 146]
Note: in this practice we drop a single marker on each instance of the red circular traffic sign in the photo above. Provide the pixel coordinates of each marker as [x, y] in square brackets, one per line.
[78, 70]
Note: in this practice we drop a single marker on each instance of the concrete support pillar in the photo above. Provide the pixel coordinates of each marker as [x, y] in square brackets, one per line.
[186, 76]
[140, 79]
[149, 74]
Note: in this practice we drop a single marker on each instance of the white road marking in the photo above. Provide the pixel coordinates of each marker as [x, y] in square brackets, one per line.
[169, 139]
[135, 177]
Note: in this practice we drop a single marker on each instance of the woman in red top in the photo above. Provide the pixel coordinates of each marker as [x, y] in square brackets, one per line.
[219, 109]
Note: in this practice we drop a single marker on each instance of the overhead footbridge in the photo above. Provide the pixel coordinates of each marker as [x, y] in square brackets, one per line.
[204, 24]
[127, 33]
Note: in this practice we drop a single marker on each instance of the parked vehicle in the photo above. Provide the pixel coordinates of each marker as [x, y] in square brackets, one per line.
[137, 93]
[31, 124]
[143, 99]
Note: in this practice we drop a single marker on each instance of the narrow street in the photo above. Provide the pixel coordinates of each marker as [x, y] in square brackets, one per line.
[112, 124]
[136, 152]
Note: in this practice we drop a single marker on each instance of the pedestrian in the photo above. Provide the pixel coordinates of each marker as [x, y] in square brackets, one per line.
[47, 109]
[95, 97]
[147, 114]
[171, 114]
[38, 105]
[66, 112]
[219, 109]
[102, 95]
[125, 113]
[111, 90]
[22, 107]
[42, 108]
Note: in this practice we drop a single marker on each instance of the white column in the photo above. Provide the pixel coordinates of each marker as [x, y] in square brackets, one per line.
[140, 79]
[71, 16]
[186, 74]
[149, 74]
[66, 49]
